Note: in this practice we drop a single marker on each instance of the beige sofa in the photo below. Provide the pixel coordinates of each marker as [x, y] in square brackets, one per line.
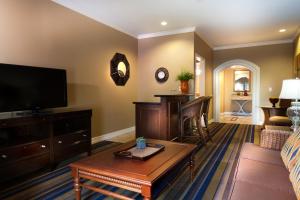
[261, 175]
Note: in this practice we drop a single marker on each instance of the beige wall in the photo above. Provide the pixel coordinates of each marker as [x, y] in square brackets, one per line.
[222, 89]
[297, 56]
[202, 49]
[42, 33]
[275, 62]
[228, 89]
[297, 45]
[174, 52]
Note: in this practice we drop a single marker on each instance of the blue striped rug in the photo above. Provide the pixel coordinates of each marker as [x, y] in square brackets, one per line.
[213, 163]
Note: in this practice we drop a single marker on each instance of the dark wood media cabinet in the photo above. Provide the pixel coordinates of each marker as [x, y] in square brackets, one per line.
[30, 143]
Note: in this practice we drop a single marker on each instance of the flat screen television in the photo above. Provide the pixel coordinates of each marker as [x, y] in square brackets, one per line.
[31, 88]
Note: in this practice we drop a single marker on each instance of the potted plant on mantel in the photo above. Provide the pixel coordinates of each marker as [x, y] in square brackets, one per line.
[184, 78]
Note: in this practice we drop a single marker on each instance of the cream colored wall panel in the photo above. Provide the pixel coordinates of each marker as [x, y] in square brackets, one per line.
[43, 33]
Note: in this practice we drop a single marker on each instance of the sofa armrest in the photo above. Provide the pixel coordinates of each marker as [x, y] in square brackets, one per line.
[273, 139]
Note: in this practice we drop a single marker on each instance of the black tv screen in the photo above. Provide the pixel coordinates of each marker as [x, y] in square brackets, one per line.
[31, 88]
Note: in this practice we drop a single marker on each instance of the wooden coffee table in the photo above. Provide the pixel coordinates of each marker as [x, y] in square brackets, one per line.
[129, 174]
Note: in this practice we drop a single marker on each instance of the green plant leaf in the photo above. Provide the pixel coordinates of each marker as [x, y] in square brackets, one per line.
[185, 76]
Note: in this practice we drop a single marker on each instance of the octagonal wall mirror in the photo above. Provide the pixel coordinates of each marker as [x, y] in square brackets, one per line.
[119, 69]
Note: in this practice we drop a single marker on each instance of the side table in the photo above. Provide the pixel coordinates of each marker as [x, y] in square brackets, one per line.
[241, 101]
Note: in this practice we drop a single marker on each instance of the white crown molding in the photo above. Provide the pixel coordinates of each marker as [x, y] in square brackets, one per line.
[253, 44]
[112, 134]
[164, 33]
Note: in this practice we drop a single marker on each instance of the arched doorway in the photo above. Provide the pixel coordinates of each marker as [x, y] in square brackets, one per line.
[256, 112]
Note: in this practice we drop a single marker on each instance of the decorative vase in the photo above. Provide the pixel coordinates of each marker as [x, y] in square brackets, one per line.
[184, 86]
[273, 100]
[293, 114]
[140, 143]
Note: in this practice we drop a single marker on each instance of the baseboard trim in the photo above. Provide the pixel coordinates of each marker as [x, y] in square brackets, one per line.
[226, 113]
[110, 135]
[260, 123]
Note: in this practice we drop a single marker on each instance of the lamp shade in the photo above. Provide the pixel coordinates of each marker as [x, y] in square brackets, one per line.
[290, 89]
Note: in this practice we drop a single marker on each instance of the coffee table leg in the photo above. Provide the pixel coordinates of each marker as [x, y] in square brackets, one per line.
[146, 192]
[192, 161]
[77, 188]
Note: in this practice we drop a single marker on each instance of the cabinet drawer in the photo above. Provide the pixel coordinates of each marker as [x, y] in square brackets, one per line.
[23, 151]
[71, 139]
[14, 169]
[62, 152]
[69, 145]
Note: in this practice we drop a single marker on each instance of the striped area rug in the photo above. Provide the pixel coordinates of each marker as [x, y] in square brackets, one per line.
[213, 164]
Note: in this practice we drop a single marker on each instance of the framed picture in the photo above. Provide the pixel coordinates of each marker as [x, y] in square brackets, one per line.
[241, 80]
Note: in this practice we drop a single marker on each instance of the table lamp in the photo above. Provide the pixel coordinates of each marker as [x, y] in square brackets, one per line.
[291, 90]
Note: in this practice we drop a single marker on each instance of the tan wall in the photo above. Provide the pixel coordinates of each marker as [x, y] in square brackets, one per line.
[297, 46]
[297, 56]
[228, 89]
[42, 33]
[203, 50]
[275, 62]
[222, 89]
[174, 52]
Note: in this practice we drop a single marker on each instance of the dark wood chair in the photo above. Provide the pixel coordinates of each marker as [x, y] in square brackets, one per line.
[277, 116]
[195, 110]
[192, 110]
[205, 109]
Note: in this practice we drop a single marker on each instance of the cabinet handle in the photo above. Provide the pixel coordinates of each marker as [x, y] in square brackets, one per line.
[84, 135]
[43, 146]
[77, 142]
[59, 142]
[3, 156]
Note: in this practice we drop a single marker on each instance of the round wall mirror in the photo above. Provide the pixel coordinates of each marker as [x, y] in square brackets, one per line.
[119, 69]
[161, 74]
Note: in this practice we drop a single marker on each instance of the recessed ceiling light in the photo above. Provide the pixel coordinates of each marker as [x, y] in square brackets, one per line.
[163, 23]
[282, 30]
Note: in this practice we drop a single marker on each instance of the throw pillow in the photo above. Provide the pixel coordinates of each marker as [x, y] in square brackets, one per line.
[295, 178]
[290, 150]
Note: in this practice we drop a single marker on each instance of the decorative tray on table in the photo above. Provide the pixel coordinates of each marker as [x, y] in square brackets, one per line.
[140, 154]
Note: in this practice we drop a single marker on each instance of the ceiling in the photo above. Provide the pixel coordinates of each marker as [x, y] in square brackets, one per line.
[219, 22]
